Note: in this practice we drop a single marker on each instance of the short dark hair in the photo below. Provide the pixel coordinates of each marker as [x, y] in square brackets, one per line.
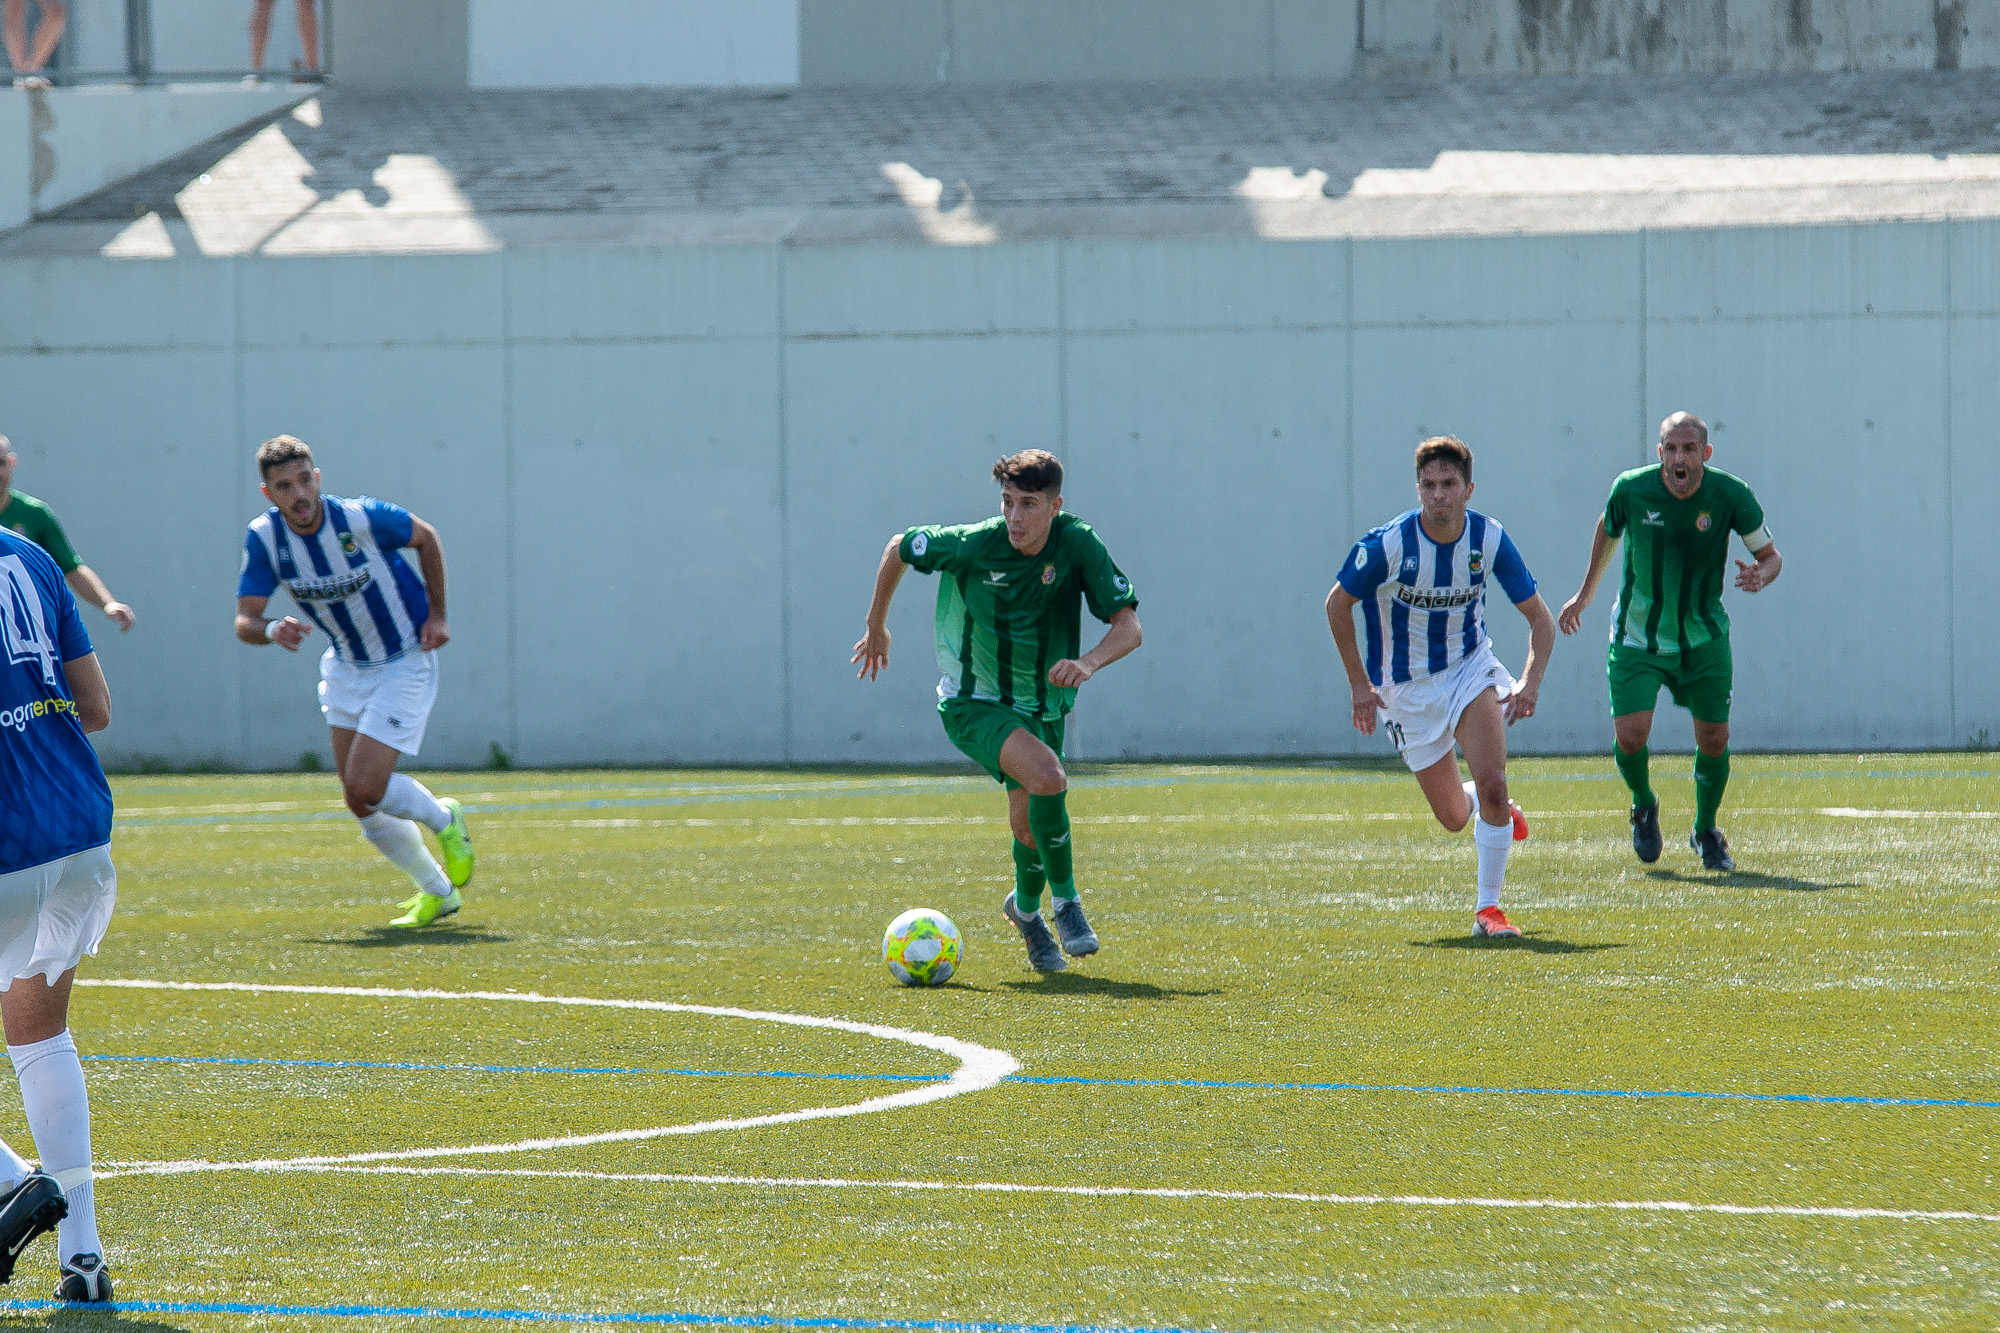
[1445, 449]
[1030, 470]
[280, 450]
[1679, 419]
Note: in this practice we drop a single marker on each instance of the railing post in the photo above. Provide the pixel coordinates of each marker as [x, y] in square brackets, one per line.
[139, 40]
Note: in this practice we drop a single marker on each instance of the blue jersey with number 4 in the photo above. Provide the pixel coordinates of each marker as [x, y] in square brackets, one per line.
[54, 801]
[1421, 600]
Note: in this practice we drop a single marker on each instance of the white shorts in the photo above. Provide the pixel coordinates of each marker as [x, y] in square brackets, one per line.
[52, 914]
[390, 702]
[1421, 716]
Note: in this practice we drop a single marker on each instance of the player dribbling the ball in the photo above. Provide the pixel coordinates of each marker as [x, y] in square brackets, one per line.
[1429, 670]
[1009, 623]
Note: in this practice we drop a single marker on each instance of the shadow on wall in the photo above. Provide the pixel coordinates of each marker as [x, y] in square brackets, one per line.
[1660, 37]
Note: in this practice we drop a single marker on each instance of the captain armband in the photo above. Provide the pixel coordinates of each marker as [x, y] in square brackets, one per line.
[1760, 540]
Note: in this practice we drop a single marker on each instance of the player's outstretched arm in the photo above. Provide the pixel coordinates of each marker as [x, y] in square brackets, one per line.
[435, 632]
[1541, 643]
[87, 686]
[1754, 578]
[251, 627]
[85, 583]
[1602, 545]
[1123, 636]
[872, 652]
[1340, 604]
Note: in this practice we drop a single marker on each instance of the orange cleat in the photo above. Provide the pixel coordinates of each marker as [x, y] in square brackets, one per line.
[1493, 923]
[1520, 822]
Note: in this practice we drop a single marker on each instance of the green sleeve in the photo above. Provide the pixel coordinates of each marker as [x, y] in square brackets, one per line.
[43, 530]
[1106, 590]
[1749, 514]
[1614, 510]
[932, 547]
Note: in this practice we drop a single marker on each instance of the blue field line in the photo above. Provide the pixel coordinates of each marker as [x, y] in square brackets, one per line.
[934, 786]
[667, 1318]
[1244, 1085]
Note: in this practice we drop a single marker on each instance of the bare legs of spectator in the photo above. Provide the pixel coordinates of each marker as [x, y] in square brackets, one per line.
[260, 33]
[28, 62]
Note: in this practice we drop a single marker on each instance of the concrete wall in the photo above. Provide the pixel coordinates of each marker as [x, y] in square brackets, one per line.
[634, 43]
[393, 44]
[1054, 41]
[60, 144]
[1462, 37]
[664, 476]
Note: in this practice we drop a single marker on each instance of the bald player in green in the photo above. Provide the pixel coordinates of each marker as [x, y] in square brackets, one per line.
[1668, 626]
[1009, 623]
[37, 522]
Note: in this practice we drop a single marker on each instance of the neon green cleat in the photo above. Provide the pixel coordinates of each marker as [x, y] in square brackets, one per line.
[456, 842]
[426, 908]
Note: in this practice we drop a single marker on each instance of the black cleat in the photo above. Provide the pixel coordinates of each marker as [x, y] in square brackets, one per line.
[30, 1208]
[1043, 955]
[85, 1279]
[1714, 849]
[1078, 939]
[1646, 840]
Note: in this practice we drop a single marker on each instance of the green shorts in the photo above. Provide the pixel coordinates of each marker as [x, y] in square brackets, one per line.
[980, 728]
[1699, 679]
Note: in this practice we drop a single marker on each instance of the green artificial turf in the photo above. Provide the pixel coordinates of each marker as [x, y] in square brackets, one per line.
[1262, 926]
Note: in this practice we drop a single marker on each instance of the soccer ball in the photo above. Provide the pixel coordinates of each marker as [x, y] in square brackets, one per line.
[922, 947]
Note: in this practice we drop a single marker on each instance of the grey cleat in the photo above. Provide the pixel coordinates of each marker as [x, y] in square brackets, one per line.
[1714, 849]
[1043, 955]
[1078, 939]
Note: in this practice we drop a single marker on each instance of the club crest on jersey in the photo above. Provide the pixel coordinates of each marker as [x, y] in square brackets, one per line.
[1476, 561]
[1048, 574]
[347, 544]
[1703, 522]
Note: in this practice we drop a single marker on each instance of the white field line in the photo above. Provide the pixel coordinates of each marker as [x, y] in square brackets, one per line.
[1849, 812]
[979, 1068]
[112, 1170]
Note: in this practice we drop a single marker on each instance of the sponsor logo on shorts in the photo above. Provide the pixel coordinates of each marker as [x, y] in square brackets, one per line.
[395, 721]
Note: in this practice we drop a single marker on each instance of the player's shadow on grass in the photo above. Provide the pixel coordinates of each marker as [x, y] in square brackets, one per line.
[1079, 983]
[389, 937]
[1749, 879]
[90, 1321]
[1529, 942]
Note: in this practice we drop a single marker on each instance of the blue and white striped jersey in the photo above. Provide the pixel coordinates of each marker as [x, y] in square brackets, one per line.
[349, 577]
[1420, 601]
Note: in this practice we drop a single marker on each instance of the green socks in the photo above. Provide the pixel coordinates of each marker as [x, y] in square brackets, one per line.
[1632, 767]
[1711, 776]
[1028, 879]
[1048, 820]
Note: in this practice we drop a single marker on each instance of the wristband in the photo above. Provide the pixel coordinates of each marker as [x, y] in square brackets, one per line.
[271, 629]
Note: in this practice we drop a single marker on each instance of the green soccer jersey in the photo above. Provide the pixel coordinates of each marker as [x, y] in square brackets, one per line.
[1003, 618]
[1676, 552]
[35, 521]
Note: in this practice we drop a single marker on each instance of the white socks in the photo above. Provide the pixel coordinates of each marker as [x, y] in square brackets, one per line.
[1494, 841]
[402, 843]
[14, 1168]
[58, 1108]
[407, 798]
